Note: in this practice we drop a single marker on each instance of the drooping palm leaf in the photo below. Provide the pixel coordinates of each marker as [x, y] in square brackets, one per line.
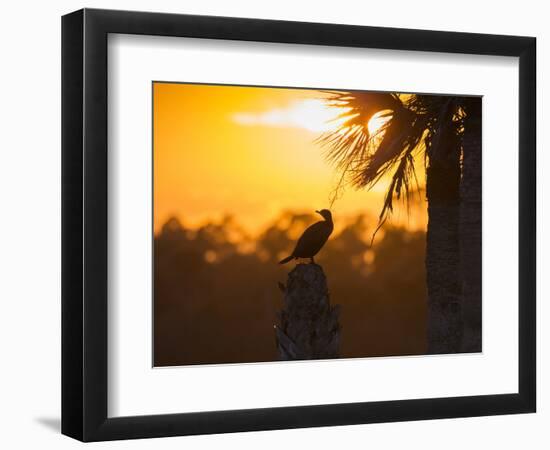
[360, 107]
[364, 159]
[400, 134]
[414, 121]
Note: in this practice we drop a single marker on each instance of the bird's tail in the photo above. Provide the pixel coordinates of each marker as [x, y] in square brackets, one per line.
[285, 260]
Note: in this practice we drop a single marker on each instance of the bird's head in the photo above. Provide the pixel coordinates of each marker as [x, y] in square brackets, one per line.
[326, 214]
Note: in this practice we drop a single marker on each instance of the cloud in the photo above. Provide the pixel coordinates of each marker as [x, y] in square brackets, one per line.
[311, 114]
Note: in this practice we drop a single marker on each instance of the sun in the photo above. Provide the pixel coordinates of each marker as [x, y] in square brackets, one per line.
[377, 122]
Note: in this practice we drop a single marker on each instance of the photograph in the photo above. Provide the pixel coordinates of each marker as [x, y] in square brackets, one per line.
[314, 223]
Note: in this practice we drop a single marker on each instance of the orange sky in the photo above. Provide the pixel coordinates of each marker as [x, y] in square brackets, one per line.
[248, 152]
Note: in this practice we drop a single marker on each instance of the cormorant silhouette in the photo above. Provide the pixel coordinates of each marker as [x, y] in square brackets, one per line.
[313, 238]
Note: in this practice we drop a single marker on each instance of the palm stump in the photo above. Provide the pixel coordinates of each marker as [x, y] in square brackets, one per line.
[308, 325]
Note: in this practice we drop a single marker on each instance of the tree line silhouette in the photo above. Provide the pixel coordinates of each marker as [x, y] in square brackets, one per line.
[217, 295]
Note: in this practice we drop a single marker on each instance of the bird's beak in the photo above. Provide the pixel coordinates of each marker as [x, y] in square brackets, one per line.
[318, 212]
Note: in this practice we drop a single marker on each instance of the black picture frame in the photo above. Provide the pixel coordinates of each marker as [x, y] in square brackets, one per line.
[84, 224]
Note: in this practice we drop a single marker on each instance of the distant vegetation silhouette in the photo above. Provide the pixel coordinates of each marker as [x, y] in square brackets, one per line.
[217, 297]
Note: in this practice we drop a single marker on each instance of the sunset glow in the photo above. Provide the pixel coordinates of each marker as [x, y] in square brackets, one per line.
[376, 123]
[250, 153]
[311, 114]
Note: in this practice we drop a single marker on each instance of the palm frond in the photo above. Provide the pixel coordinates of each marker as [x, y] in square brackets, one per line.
[401, 183]
[348, 147]
[415, 124]
[361, 106]
[401, 134]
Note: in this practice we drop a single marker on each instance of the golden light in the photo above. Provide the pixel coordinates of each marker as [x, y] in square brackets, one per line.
[314, 115]
[377, 121]
[250, 153]
[311, 114]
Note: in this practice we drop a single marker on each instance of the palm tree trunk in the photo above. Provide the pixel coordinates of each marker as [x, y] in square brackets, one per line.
[442, 249]
[308, 325]
[470, 227]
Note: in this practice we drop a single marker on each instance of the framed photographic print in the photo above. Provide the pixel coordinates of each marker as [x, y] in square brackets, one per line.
[273, 224]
